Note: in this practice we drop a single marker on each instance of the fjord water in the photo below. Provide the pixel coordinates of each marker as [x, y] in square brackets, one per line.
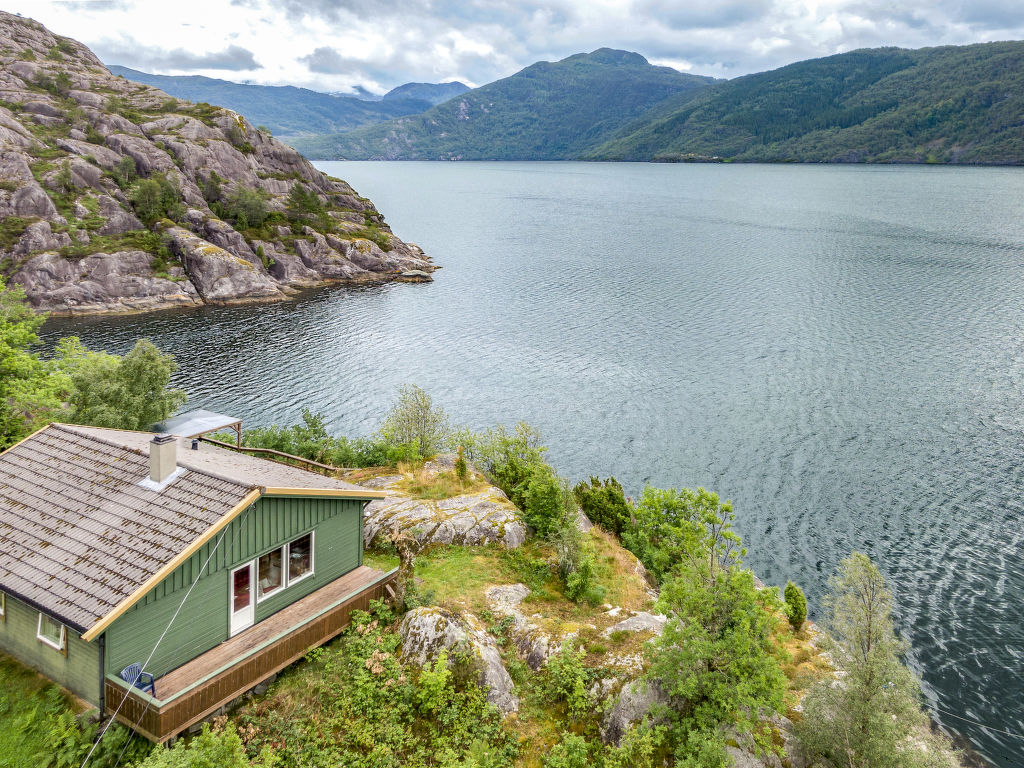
[839, 350]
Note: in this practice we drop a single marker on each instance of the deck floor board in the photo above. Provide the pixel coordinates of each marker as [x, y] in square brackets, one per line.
[290, 618]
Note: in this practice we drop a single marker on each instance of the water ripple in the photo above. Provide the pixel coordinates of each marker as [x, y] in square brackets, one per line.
[838, 350]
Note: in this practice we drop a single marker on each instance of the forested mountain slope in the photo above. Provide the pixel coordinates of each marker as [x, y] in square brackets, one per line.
[287, 111]
[546, 111]
[959, 104]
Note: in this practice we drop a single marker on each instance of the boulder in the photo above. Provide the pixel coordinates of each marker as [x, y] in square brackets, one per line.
[639, 622]
[223, 234]
[31, 200]
[425, 632]
[218, 275]
[100, 282]
[118, 220]
[634, 703]
[479, 518]
[532, 643]
[38, 236]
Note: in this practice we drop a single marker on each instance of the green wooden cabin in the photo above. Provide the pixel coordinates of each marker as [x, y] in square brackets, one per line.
[121, 548]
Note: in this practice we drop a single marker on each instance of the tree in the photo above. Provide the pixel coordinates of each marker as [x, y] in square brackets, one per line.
[796, 606]
[671, 525]
[129, 392]
[604, 504]
[156, 198]
[415, 420]
[717, 660]
[509, 459]
[31, 391]
[246, 207]
[872, 715]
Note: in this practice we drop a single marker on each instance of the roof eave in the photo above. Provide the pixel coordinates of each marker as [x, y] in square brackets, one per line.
[361, 494]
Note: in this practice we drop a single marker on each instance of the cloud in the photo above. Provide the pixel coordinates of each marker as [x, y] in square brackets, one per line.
[234, 58]
[340, 45]
[327, 61]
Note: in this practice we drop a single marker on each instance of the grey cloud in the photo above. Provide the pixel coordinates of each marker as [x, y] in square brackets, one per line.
[234, 58]
[327, 61]
[703, 16]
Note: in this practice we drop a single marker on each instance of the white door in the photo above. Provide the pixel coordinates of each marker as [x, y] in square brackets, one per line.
[243, 598]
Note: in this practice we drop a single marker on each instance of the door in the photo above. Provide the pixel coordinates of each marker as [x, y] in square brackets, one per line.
[243, 598]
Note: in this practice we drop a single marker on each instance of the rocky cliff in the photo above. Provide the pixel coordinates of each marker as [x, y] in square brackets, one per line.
[116, 197]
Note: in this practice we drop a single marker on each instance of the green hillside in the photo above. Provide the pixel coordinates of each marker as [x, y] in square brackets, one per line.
[287, 111]
[547, 111]
[959, 104]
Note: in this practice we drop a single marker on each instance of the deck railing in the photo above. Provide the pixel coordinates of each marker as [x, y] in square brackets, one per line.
[286, 458]
[160, 720]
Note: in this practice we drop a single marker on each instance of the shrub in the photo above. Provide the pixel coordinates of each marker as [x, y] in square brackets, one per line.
[246, 207]
[461, 468]
[604, 503]
[544, 502]
[125, 172]
[571, 752]
[509, 459]
[796, 606]
[155, 198]
[414, 420]
[566, 680]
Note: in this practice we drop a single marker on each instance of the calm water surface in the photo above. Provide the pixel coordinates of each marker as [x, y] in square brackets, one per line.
[840, 350]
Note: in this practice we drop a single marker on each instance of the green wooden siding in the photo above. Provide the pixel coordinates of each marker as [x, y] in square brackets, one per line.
[203, 621]
[78, 671]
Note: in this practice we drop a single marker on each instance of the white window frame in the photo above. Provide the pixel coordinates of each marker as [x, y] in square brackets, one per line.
[312, 558]
[286, 577]
[260, 597]
[63, 642]
[3, 606]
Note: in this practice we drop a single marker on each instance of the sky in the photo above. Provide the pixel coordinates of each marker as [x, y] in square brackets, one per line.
[344, 45]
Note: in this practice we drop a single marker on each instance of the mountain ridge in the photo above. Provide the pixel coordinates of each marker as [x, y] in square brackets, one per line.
[522, 116]
[286, 110]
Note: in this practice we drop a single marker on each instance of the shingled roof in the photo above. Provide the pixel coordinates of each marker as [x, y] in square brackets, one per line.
[79, 535]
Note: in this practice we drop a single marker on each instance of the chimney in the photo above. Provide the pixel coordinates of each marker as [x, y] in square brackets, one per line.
[162, 457]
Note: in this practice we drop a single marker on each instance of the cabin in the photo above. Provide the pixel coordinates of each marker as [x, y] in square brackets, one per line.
[208, 569]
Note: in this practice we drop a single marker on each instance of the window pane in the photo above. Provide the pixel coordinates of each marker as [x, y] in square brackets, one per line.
[300, 557]
[271, 576]
[50, 630]
[241, 589]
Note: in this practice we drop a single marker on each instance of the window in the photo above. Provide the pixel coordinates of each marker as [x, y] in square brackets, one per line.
[3, 607]
[300, 558]
[271, 574]
[51, 632]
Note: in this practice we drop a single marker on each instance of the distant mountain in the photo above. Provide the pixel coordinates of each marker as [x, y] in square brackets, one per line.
[287, 111]
[960, 104]
[546, 111]
[435, 93]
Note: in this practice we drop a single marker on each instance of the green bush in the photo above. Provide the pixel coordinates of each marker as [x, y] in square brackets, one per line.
[155, 198]
[220, 748]
[245, 207]
[310, 440]
[796, 605]
[571, 752]
[363, 708]
[544, 502]
[604, 504]
[567, 679]
[508, 458]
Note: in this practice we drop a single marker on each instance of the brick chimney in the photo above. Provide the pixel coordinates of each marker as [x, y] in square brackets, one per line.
[163, 456]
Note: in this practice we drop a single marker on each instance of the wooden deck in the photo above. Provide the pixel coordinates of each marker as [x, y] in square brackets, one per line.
[199, 688]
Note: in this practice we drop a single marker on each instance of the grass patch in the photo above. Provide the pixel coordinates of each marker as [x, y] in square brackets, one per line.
[421, 483]
[11, 230]
[29, 703]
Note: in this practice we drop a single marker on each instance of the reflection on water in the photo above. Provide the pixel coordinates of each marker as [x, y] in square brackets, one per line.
[837, 349]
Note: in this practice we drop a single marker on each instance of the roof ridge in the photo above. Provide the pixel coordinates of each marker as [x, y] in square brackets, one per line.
[114, 444]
